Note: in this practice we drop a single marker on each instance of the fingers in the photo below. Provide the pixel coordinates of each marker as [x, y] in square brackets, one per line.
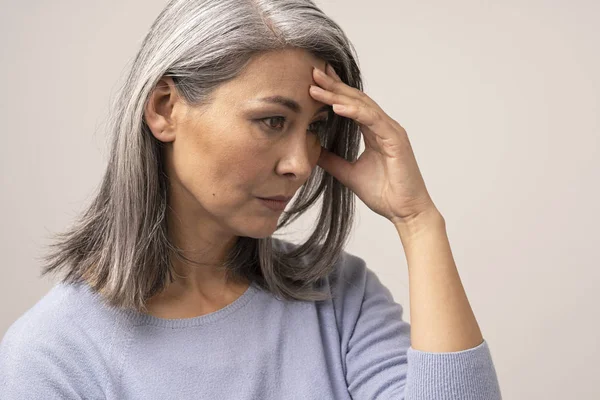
[334, 84]
[347, 106]
[358, 105]
[353, 103]
[331, 72]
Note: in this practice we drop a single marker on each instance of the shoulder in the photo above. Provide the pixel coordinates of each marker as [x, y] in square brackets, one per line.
[60, 344]
[361, 302]
[352, 283]
[63, 314]
[350, 276]
[45, 322]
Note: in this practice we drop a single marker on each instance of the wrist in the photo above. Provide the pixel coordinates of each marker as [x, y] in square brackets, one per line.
[415, 225]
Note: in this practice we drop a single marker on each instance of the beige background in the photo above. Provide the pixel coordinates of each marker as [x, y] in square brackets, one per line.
[501, 102]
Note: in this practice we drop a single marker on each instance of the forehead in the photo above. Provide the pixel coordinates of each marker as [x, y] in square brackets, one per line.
[283, 66]
[285, 73]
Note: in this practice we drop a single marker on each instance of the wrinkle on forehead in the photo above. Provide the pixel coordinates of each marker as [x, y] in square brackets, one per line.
[286, 73]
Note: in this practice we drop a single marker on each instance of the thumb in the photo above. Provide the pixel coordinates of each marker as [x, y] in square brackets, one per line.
[337, 166]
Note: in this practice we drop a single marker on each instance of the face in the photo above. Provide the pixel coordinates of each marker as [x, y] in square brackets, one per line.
[245, 144]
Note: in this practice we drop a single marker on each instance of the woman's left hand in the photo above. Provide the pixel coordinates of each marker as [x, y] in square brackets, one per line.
[386, 176]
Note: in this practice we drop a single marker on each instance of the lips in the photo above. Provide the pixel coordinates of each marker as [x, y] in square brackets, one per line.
[275, 205]
[278, 198]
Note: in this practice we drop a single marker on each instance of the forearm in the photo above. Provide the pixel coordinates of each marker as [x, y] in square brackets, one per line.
[440, 314]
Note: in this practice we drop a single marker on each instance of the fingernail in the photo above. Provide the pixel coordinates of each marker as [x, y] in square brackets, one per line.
[320, 73]
[331, 70]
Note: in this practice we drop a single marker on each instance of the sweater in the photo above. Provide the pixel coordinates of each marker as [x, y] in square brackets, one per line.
[72, 345]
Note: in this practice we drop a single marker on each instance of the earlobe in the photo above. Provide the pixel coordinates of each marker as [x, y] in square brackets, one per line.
[158, 111]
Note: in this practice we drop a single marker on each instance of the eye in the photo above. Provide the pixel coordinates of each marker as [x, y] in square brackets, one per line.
[318, 127]
[270, 126]
[276, 124]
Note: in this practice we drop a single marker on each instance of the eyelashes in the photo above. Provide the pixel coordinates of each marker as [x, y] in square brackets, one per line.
[319, 126]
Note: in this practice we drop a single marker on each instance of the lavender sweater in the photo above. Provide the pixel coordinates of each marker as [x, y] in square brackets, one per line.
[70, 345]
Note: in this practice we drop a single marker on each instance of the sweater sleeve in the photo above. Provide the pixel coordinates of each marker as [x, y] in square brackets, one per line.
[379, 360]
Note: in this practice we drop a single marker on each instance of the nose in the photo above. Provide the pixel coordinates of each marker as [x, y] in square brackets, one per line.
[299, 156]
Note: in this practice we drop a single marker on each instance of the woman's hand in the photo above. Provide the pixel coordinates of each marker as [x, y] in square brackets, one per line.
[385, 176]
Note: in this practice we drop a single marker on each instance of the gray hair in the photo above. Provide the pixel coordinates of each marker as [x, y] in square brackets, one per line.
[119, 245]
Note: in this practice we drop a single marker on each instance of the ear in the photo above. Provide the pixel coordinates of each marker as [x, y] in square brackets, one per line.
[159, 110]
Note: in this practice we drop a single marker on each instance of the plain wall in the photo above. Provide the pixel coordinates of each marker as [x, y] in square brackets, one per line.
[501, 103]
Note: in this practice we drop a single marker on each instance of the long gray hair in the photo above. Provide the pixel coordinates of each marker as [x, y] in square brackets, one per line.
[119, 245]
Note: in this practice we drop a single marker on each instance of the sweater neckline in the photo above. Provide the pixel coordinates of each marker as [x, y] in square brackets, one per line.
[138, 318]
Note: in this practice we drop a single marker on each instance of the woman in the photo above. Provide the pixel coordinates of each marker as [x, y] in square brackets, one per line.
[172, 286]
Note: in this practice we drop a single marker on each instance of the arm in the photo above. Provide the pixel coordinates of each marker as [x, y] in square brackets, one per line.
[449, 360]
[441, 318]
[380, 362]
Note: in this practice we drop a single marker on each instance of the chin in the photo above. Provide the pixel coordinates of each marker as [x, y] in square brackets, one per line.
[260, 233]
[260, 230]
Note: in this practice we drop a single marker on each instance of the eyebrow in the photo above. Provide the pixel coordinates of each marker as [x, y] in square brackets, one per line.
[289, 103]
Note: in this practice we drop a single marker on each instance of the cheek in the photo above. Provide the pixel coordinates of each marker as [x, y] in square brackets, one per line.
[234, 174]
[220, 175]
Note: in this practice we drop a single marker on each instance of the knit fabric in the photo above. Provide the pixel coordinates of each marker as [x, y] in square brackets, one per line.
[71, 345]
